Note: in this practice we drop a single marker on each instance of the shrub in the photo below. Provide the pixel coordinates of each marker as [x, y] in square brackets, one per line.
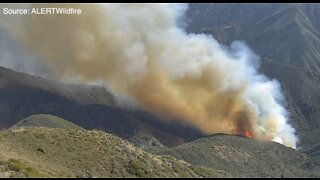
[15, 165]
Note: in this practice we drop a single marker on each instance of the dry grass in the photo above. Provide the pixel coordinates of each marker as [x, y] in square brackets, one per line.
[55, 152]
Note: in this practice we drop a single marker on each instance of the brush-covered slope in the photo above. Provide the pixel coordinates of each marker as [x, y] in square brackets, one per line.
[242, 157]
[56, 152]
[46, 120]
[302, 92]
[82, 94]
[286, 33]
[23, 95]
[286, 36]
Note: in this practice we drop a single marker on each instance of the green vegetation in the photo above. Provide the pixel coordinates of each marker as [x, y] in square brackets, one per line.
[17, 166]
[57, 152]
[90, 107]
[286, 37]
[240, 157]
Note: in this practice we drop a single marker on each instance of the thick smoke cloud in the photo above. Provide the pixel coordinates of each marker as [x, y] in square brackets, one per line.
[143, 56]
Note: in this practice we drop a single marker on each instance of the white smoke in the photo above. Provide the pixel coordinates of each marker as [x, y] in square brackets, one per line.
[144, 57]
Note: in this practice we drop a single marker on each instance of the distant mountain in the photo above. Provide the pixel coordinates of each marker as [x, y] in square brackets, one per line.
[286, 33]
[287, 38]
[302, 93]
[82, 94]
[91, 107]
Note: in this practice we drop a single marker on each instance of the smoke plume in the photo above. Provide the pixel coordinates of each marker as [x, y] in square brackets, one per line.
[147, 60]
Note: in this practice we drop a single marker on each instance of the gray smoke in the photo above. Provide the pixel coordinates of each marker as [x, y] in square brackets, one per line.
[146, 59]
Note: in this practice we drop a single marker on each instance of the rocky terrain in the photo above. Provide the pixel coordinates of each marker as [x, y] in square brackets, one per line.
[53, 129]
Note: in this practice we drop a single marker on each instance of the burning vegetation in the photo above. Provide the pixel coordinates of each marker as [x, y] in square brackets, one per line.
[140, 53]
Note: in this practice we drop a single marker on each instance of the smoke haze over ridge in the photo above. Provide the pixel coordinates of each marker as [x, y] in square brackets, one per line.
[144, 57]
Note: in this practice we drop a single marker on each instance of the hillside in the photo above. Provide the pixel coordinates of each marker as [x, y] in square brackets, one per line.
[286, 33]
[46, 120]
[82, 94]
[303, 97]
[23, 95]
[56, 152]
[242, 157]
[286, 37]
[53, 129]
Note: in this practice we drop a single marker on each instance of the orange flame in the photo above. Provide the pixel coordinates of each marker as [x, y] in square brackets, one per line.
[248, 134]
